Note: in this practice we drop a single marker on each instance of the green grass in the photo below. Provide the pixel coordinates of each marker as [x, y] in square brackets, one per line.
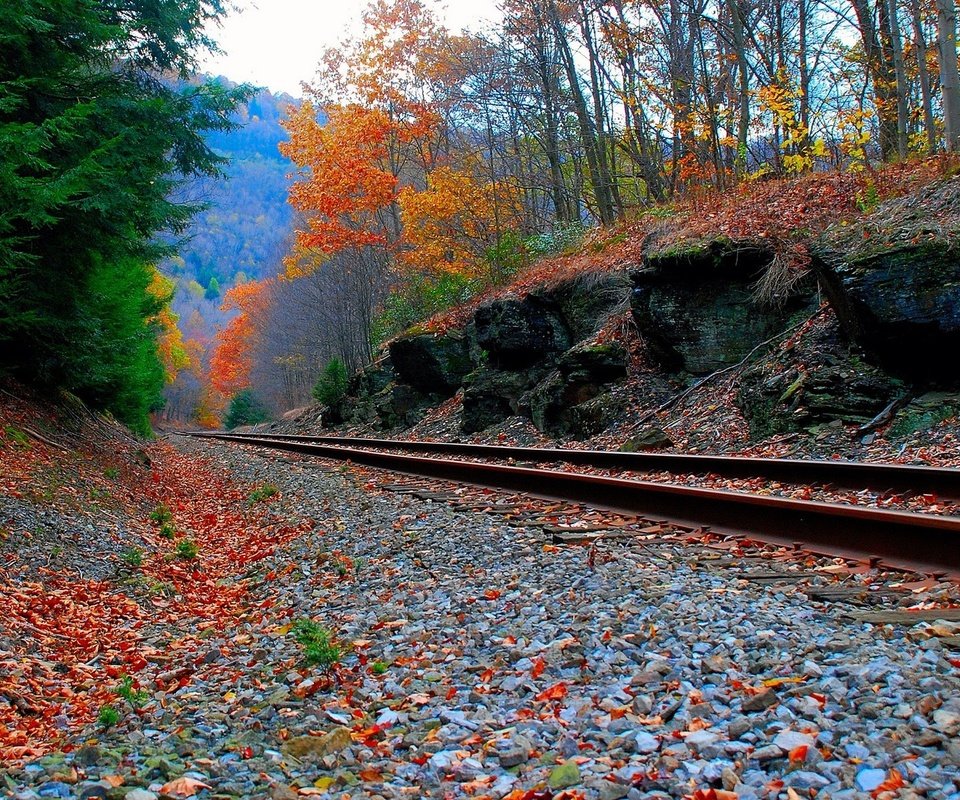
[262, 493]
[20, 439]
[379, 668]
[315, 640]
[112, 473]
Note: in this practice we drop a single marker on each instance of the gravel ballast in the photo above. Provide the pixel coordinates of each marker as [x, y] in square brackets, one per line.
[480, 660]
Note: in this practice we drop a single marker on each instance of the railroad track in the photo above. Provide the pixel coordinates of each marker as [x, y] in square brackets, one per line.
[921, 542]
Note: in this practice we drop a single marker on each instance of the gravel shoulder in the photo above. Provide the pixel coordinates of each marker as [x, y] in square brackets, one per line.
[477, 659]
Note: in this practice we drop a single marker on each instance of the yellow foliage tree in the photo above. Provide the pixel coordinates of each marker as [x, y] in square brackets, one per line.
[449, 225]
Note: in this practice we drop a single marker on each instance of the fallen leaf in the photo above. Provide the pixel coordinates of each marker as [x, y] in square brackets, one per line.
[183, 787]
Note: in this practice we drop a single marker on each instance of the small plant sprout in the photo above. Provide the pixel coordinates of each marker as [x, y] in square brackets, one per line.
[379, 668]
[108, 717]
[187, 549]
[161, 514]
[167, 531]
[133, 557]
[262, 493]
[112, 473]
[137, 698]
[315, 640]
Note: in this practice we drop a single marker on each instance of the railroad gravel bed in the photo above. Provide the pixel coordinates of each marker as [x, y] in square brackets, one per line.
[479, 660]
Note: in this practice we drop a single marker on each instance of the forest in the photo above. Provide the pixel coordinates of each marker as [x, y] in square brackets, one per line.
[425, 166]
[433, 164]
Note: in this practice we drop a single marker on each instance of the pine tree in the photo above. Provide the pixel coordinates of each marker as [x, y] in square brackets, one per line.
[98, 126]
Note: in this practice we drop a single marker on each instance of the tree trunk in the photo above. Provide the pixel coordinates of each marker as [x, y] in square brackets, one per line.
[920, 43]
[740, 50]
[896, 52]
[881, 73]
[601, 189]
[949, 77]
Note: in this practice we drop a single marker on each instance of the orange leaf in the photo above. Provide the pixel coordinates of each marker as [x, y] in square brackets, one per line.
[893, 782]
[555, 692]
[183, 787]
[799, 753]
[538, 667]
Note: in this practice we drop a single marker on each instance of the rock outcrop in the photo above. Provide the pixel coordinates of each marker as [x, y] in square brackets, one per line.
[894, 281]
[695, 305]
[518, 333]
[430, 363]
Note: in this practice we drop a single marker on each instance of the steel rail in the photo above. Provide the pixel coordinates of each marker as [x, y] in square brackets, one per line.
[940, 481]
[925, 542]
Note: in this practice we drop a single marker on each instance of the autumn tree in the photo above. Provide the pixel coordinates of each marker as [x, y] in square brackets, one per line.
[232, 358]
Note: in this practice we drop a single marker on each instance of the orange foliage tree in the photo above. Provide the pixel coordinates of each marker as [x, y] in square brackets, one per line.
[348, 187]
[232, 358]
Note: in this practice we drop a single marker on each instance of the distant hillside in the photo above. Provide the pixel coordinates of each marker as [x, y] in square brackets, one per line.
[244, 232]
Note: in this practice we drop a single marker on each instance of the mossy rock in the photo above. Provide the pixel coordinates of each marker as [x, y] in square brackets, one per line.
[924, 413]
[516, 334]
[696, 307]
[901, 304]
[431, 363]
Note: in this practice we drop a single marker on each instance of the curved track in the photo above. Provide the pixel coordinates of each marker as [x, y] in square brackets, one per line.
[901, 478]
[924, 542]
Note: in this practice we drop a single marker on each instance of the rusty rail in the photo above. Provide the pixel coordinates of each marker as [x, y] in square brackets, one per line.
[925, 542]
[901, 478]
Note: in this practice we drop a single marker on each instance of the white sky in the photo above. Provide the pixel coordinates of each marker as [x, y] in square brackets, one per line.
[277, 43]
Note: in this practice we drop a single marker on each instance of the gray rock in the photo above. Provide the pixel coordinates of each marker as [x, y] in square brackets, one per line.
[869, 779]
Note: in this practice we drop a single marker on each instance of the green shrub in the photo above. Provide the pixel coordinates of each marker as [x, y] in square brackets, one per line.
[318, 649]
[331, 386]
[108, 717]
[111, 473]
[379, 668]
[561, 239]
[245, 409]
[167, 530]
[161, 514]
[187, 549]
[137, 698]
[418, 299]
[507, 257]
[133, 557]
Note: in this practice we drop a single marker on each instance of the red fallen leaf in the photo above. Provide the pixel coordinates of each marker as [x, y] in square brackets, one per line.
[370, 775]
[711, 794]
[183, 787]
[247, 752]
[799, 753]
[538, 667]
[492, 594]
[555, 692]
[451, 693]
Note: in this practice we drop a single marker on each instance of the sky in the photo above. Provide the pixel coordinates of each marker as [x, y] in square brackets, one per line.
[277, 43]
